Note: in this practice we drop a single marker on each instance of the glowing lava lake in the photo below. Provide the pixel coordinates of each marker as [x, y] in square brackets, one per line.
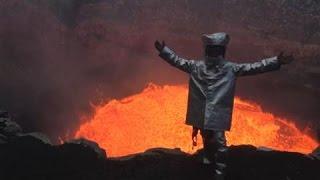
[155, 118]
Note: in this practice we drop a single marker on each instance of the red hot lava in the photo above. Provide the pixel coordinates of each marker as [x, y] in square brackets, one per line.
[155, 118]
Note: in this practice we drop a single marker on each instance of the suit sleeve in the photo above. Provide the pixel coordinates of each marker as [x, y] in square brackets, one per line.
[170, 56]
[265, 65]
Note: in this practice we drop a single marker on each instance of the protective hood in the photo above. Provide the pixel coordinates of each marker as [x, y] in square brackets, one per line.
[216, 39]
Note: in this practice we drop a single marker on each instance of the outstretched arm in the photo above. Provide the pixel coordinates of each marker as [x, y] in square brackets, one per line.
[265, 65]
[170, 56]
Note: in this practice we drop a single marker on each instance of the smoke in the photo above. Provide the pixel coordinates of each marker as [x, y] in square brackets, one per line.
[58, 57]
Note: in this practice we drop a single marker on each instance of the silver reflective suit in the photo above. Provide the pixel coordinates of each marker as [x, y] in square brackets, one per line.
[212, 87]
[211, 94]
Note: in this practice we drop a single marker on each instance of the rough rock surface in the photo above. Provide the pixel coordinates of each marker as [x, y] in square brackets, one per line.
[37, 160]
[316, 154]
[8, 127]
[101, 153]
[32, 156]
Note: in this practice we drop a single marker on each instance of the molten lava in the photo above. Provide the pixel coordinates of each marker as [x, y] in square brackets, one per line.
[155, 118]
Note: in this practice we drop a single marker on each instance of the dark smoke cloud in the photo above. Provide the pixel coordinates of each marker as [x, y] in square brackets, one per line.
[59, 56]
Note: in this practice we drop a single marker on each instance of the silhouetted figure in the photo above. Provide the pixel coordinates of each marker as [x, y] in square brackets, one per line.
[211, 92]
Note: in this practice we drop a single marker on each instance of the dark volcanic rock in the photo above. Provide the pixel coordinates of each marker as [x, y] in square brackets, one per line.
[7, 126]
[34, 136]
[32, 156]
[316, 153]
[3, 139]
[10, 131]
[88, 144]
[29, 157]
[245, 162]
[37, 160]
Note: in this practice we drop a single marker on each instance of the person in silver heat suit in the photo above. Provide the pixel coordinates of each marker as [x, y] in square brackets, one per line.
[211, 92]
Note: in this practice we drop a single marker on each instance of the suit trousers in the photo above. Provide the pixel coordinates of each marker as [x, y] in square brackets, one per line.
[215, 149]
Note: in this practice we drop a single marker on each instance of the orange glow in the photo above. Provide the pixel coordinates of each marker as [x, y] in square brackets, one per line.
[155, 118]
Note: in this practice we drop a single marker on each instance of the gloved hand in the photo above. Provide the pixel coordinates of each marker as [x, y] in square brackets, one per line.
[194, 136]
[159, 46]
[285, 58]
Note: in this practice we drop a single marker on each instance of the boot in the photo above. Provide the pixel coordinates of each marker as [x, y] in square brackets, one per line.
[218, 176]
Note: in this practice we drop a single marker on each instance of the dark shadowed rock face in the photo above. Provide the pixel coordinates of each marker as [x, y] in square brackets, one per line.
[245, 162]
[8, 127]
[101, 153]
[10, 131]
[37, 160]
[31, 156]
[316, 154]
